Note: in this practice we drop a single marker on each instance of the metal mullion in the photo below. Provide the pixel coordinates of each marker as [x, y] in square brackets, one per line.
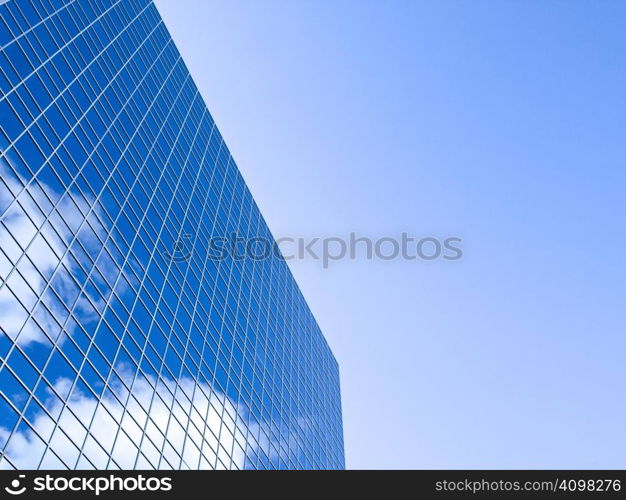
[32, 426]
[204, 112]
[59, 96]
[55, 208]
[68, 247]
[45, 220]
[128, 413]
[130, 246]
[233, 265]
[21, 418]
[144, 432]
[61, 49]
[42, 21]
[218, 158]
[136, 54]
[206, 196]
[244, 353]
[124, 306]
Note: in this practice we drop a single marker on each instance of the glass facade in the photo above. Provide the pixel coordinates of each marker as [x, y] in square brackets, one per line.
[124, 342]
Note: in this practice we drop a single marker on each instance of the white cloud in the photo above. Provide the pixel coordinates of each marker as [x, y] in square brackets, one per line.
[46, 251]
[208, 424]
[201, 423]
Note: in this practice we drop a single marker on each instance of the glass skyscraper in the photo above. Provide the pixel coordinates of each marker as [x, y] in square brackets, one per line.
[126, 341]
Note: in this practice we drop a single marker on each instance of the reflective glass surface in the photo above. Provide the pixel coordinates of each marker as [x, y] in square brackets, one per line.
[124, 343]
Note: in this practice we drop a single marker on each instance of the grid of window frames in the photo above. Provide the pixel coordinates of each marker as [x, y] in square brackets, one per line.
[113, 354]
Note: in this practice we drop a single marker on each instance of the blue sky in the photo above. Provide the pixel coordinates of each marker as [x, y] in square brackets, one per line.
[500, 122]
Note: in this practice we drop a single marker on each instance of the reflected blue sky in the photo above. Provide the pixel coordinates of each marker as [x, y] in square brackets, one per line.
[500, 122]
[113, 354]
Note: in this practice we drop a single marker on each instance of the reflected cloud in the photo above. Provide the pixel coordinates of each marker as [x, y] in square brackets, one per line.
[46, 258]
[176, 425]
